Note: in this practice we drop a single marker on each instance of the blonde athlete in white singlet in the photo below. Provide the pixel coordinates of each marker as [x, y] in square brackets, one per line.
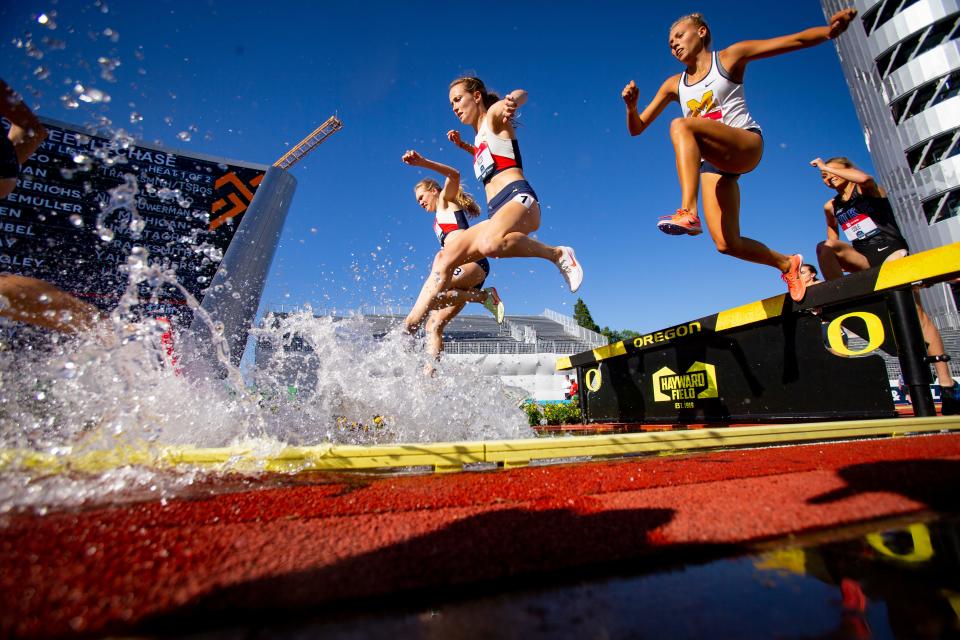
[717, 139]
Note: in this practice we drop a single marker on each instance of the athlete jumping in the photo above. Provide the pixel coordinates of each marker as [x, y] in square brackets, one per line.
[451, 206]
[717, 139]
[512, 208]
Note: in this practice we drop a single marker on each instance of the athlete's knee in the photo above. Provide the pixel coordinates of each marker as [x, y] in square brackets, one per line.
[727, 246]
[679, 127]
[830, 245]
[491, 245]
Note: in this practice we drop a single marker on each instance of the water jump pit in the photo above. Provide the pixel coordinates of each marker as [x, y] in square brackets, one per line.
[242, 551]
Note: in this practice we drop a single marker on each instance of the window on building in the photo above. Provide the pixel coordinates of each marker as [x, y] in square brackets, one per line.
[942, 207]
[925, 96]
[939, 32]
[933, 151]
[882, 12]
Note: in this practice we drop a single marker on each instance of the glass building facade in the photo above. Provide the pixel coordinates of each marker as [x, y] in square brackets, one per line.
[901, 60]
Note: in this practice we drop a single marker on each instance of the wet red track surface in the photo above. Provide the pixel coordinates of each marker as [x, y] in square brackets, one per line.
[252, 548]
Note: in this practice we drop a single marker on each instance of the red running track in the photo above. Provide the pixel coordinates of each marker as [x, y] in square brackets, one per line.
[326, 538]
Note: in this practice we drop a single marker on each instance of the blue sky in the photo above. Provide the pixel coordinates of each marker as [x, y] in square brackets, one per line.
[254, 78]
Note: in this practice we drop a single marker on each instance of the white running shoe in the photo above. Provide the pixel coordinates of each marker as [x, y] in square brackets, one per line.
[494, 304]
[571, 269]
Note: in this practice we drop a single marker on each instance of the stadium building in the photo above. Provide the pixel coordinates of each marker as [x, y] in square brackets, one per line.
[522, 351]
[901, 60]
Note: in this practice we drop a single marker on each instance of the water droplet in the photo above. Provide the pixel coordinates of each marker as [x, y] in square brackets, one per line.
[135, 117]
[76, 220]
[184, 136]
[106, 234]
[41, 73]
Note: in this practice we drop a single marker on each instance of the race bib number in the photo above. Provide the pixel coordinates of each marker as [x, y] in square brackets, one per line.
[483, 163]
[525, 199]
[859, 227]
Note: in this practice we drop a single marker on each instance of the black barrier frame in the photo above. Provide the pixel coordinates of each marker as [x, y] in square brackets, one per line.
[883, 296]
[911, 350]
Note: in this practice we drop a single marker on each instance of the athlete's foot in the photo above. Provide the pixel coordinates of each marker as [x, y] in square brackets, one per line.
[494, 304]
[795, 284]
[571, 269]
[680, 223]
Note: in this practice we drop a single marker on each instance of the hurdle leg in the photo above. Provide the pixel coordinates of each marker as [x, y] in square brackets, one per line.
[911, 350]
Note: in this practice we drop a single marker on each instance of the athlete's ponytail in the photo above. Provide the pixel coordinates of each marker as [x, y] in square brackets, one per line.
[697, 20]
[463, 199]
[472, 84]
[466, 202]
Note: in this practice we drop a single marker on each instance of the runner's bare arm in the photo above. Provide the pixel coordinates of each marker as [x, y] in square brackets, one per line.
[862, 179]
[26, 131]
[454, 136]
[638, 122]
[831, 220]
[501, 112]
[736, 56]
[452, 183]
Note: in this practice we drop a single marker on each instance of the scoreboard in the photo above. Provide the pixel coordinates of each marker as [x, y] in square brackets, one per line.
[84, 201]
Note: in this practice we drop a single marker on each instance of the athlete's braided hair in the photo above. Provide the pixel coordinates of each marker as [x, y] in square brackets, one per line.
[464, 200]
[698, 21]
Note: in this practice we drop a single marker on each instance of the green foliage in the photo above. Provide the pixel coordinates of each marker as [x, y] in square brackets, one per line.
[582, 315]
[558, 413]
[613, 335]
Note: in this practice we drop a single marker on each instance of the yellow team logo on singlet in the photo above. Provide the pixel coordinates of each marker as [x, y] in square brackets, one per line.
[701, 107]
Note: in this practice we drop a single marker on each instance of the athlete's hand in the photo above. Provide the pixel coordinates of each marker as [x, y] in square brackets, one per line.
[818, 163]
[510, 106]
[454, 136]
[411, 157]
[630, 94]
[840, 21]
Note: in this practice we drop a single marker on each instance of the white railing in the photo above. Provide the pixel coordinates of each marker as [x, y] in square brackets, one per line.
[570, 325]
[561, 347]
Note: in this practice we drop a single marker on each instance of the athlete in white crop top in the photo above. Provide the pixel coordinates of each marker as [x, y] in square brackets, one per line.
[450, 206]
[513, 210]
[718, 139]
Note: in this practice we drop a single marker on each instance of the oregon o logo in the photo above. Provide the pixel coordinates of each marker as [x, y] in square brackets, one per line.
[875, 334]
[594, 379]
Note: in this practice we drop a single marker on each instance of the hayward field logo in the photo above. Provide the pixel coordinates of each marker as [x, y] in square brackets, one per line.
[699, 381]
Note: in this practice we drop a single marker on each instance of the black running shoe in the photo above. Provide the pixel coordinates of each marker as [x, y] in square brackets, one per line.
[950, 400]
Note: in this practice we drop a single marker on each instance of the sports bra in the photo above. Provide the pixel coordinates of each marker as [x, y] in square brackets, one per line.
[493, 154]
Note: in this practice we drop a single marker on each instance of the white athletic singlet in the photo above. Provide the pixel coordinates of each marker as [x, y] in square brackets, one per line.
[716, 97]
[493, 154]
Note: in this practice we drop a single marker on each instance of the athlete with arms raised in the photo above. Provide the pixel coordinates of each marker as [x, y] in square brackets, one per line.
[717, 139]
[861, 211]
[451, 206]
[512, 207]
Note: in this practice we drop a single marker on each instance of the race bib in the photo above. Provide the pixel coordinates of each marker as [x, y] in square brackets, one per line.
[859, 227]
[483, 163]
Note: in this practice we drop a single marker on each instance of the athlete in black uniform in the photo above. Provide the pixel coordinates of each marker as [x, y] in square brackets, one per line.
[862, 213]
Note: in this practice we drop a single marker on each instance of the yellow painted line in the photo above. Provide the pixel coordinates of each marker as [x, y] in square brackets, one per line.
[928, 264]
[451, 456]
[749, 313]
[600, 353]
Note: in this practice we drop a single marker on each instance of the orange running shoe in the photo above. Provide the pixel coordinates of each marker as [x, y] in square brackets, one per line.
[680, 223]
[795, 284]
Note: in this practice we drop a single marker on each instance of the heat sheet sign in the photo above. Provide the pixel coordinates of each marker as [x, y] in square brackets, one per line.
[188, 206]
